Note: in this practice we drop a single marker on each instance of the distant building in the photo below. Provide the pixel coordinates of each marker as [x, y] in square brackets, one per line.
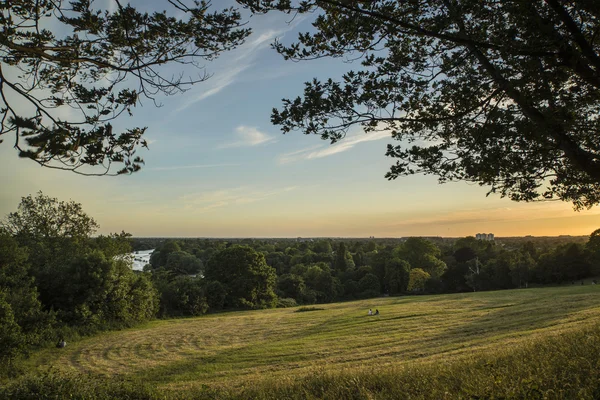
[485, 236]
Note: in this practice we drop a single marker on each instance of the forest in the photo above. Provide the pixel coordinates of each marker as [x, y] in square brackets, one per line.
[58, 280]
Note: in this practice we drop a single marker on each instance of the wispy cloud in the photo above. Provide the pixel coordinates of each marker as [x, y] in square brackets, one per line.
[207, 201]
[178, 167]
[247, 136]
[321, 151]
[243, 58]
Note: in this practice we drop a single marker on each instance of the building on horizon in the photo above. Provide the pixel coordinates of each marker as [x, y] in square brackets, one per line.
[485, 236]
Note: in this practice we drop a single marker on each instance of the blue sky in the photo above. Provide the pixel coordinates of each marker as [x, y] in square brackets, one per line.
[217, 167]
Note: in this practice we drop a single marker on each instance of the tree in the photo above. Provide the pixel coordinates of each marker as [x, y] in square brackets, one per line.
[55, 232]
[215, 295]
[291, 286]
[521, 269]
[422, 253]
[249, 281]
[97, 64]
[161, 254]
[11, 337]
[185, 296]
[43, 217]
[502, 93]
[319, 279]
[418, 279]
[182, 263]
[95, 291]
[369, 286]
[343, 260]
[397, 275]
[20, 293]
[593, 249]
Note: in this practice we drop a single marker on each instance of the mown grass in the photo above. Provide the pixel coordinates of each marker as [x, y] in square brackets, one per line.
[518, 343]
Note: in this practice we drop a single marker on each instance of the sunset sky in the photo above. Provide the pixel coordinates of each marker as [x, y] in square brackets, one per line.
[218, 168]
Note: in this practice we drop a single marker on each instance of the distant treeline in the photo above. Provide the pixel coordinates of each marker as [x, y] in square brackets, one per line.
[307, 271]
[58, 281]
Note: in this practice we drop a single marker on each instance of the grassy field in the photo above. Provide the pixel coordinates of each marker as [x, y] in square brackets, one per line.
[233, 352]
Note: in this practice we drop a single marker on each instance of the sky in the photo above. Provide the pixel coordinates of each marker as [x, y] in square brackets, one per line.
[217, 167]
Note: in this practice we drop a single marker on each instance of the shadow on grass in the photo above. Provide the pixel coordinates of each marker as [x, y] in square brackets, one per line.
[528, 310]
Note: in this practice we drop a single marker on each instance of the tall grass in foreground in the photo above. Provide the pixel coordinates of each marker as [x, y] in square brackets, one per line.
[563, 366]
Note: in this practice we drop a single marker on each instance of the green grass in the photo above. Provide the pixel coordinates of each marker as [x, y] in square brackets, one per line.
[418, 344]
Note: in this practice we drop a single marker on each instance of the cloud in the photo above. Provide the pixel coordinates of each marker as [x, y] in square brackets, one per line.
[248, 136]
[519, 213]
[207, 201]
[178, 167]
[215, 84]
[339, 147]
[243, 58]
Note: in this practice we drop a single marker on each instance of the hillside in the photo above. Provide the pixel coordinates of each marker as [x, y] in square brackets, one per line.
[235, 350]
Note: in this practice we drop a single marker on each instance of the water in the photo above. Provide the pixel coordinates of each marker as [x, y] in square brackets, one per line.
[141, 258]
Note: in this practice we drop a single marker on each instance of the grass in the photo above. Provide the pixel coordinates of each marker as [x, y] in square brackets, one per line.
[340, 352]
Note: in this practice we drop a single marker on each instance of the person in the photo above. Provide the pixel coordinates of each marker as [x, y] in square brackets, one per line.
[376, 312]
[61, 344]
[370, 312]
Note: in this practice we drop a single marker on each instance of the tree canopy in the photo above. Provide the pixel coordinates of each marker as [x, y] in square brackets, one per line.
[69, 68]
[44, 217]
[502, 93]
[249, 281]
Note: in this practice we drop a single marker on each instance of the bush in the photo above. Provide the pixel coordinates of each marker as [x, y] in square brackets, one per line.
[286, 302]
[305, 309]
[52, 385]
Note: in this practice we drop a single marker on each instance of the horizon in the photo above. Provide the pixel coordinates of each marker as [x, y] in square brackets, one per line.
[343, 237]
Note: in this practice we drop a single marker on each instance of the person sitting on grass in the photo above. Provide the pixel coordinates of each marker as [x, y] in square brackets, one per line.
[370, 312]
[376, 312]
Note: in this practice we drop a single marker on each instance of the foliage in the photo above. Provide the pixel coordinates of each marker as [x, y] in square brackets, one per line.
[12, 340]
[343, 260]
[184, 296]
[44, 217]
[161, 254]
[320, 280]
[113, 245]
[250, 282]
[57, 280]
[215, 295]
[369, 286]
[20, 292]
[291, 286]
[285, 302]
[504, 94]
[96, 291]
[418, 279]
[182, 263]
[77, 67]
[422, 253]
[397, 275]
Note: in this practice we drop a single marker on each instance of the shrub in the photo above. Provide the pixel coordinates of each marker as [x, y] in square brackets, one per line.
[286, 302]
[305, 309]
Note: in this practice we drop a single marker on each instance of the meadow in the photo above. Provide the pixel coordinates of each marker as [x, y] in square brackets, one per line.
[418, 347]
